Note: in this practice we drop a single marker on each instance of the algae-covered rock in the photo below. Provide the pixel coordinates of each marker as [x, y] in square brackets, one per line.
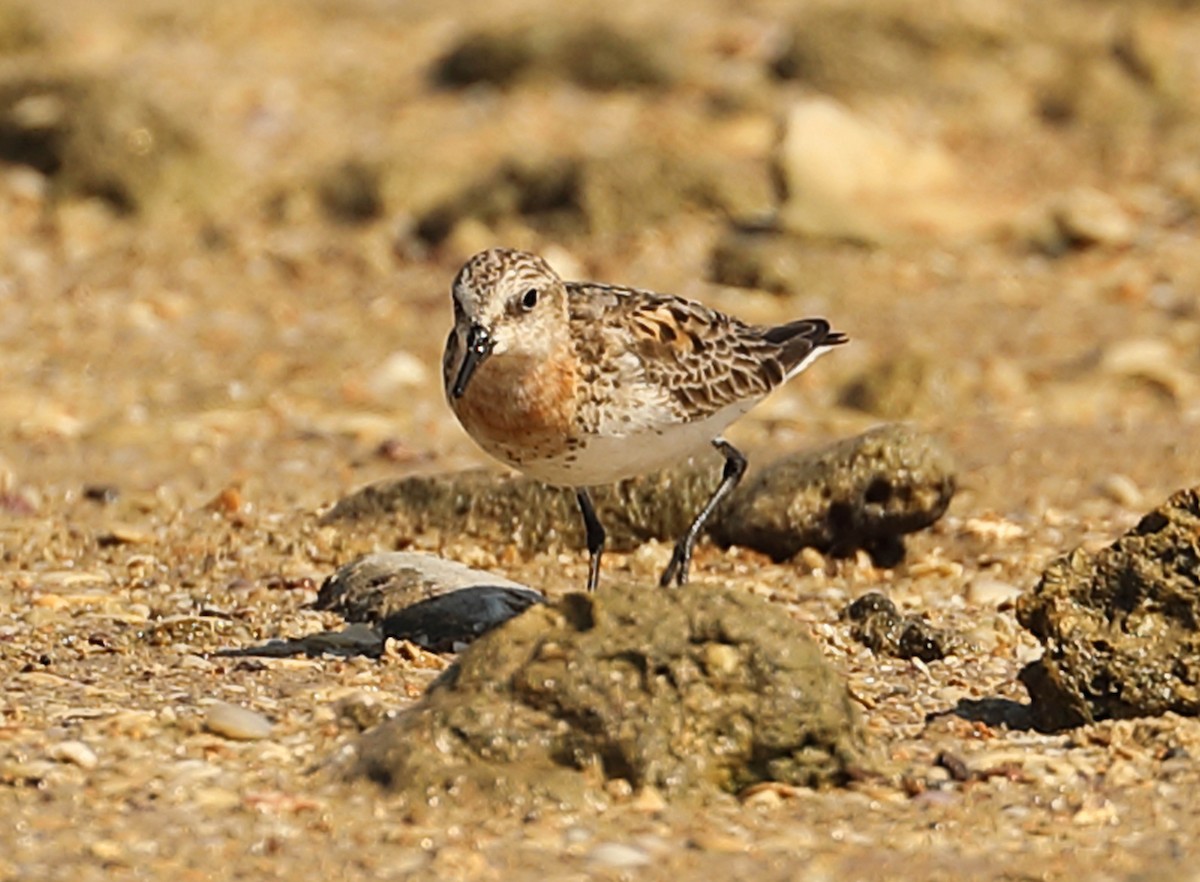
[759, 257]
[594, 55]
[886, 47]
[91, 137]
[608, 193]
[892, 387]
[691, 692]
[351, 192]
[1121, 627]
[21, 30]
[865, 492]
[877, 624]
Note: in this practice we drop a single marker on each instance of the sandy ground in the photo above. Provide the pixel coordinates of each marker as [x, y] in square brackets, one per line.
[192, 372]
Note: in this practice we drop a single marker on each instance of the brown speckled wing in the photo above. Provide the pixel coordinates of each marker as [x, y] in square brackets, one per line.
[701, 359]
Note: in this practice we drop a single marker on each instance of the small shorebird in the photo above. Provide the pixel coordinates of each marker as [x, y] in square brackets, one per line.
[579, 384]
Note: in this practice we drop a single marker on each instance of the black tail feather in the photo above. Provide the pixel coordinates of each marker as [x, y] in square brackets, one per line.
[799, 340]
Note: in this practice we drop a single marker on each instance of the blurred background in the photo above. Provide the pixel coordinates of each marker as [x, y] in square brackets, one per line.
[228, 230]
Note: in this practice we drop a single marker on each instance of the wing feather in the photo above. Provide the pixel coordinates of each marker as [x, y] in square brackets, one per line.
[701, 360]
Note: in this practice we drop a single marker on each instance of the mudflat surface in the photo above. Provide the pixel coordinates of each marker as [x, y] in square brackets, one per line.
[223, 294]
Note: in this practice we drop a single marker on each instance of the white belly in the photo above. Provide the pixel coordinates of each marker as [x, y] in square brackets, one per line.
[605, 459]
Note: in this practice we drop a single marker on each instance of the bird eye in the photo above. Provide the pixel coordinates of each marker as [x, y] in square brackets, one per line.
[529, 299]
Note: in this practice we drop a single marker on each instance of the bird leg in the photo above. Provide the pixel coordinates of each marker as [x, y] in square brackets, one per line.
[594, 532]
[681, 558]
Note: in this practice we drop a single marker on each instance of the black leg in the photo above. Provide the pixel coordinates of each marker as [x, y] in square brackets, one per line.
[594, 532]
[681, 559]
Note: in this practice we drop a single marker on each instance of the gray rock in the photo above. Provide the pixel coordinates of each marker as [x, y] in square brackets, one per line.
[1121, 627]
[442, 623]
[376, 586]
[431, 601]
[622, 684]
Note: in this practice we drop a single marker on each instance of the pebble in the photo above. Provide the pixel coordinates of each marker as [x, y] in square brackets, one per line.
[192, 662]
[986, 591]
[74, 752]
[237, 723]
[993, 528]
[107, 851]
[648, 799]
[1092, 217]
[721, 658]
[1122, 490]
[399, 371]
[1152, 360]
[1096, 811]
[618, 855]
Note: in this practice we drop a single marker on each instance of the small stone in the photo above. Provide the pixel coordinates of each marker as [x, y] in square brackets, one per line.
[399, 371]
[216, 799]
[124, 535]
[986, 591]
[1121, 489]
[108, 851]
[649, 800]
[1091, 217]
[74, 752]
[1095, 811]
[721, 658]
[1152, 360]
[618, 855]
[104, 494]
[993, 528]
[236, 723]
[193, 662]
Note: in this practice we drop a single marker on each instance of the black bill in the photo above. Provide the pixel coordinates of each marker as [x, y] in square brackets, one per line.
[479, 347]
